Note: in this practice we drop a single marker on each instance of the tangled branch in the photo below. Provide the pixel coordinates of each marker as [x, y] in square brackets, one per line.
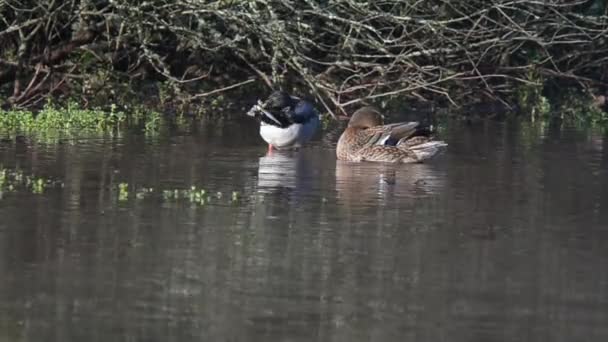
[343, 52]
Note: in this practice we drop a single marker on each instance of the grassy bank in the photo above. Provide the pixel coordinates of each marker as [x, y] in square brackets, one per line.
[71, 118]
[530, 102]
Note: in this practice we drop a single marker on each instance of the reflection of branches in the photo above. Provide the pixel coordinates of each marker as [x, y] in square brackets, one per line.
[344, 52]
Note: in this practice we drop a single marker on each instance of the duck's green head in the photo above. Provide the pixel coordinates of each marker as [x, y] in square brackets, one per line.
[278, 100]
[366, 117]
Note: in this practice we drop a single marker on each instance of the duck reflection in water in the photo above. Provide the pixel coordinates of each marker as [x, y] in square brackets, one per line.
[283, 170]
[382, 182]
[299, 175]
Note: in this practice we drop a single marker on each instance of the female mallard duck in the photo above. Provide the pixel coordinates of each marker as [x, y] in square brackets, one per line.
[285, 121]
[367, 139]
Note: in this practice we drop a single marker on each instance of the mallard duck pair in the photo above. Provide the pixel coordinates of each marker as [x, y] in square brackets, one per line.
[287, 122]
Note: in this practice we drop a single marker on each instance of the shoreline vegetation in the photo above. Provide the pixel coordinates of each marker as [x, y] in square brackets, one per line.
[56, 118]
[97, 60]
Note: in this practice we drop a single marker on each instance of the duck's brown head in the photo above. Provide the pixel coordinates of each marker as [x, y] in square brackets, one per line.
[366, 117]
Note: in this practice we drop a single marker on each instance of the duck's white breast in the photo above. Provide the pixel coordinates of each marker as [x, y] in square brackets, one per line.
[292, 136]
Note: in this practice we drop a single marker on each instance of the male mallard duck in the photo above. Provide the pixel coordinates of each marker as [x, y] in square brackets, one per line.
[367, 139]
[285, 121]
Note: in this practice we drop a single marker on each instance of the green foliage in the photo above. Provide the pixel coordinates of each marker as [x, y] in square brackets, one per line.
[13, 181]
[167, 91]
[123, 192]
[153, 121]
[579, 107]
[51, 118]
[193, 195]
[530, 96]
[16, 180]
[71, 118]
[38, 185]
[235, 196]
[569, 104]
[213, 105]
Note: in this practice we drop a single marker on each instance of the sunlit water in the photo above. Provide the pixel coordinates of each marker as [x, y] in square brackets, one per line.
[502, 238]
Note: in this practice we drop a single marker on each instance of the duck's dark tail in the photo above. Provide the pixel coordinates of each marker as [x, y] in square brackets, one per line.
[422, 131]
[427, 150]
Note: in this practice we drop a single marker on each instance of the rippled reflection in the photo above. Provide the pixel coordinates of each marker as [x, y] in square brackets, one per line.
[365, 183]
[280, 170]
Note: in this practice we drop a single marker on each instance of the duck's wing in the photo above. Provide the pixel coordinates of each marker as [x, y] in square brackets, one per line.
[408, 133]
[390, 134]
[388, 154]
[413, 141]
[372, 136]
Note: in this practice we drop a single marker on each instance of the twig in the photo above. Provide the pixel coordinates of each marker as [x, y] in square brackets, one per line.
[215, 91]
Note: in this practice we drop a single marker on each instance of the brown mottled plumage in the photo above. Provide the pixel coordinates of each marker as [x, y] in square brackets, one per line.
[367, 139]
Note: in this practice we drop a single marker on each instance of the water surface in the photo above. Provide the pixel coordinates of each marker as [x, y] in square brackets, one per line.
[502, 238]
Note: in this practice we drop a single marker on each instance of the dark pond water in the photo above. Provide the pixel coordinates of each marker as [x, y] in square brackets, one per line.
[502, 238]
